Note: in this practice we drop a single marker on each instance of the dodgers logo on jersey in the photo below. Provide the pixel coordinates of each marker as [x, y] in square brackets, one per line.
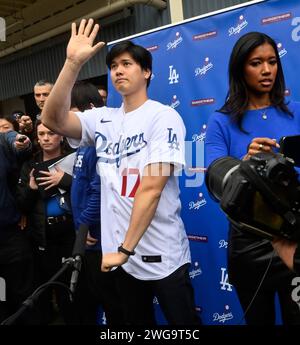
[113, 152]
[172, 140]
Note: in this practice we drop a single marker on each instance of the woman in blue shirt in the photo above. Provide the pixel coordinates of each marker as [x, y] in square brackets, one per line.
[253, 119]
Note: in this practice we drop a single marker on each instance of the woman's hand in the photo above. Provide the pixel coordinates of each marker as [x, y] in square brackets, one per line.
[260, 145]
[32, 182]
[50, 179]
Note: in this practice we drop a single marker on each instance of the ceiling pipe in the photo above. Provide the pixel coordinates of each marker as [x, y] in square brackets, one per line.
[101, 12]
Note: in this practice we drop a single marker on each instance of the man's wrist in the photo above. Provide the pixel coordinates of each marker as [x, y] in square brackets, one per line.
[123, 250]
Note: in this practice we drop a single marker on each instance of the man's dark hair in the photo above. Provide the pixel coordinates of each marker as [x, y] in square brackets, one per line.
[84, 95]
[238, 95]
[139, 54]
[13, 119]
[43, 82]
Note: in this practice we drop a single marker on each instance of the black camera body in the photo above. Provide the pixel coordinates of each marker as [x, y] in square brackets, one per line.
[260, 195]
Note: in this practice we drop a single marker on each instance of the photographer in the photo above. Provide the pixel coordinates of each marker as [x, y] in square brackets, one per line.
[253, 119]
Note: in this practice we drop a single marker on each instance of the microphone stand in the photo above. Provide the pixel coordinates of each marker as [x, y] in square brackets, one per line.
[29, 302]
[74, 261]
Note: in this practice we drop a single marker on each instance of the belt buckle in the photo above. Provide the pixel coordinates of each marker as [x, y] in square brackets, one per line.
[51, 220]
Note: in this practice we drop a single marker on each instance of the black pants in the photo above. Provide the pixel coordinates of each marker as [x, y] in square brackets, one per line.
[60, 240]
[175, 295]
[16, 268]
[94, 289]
[249, 256]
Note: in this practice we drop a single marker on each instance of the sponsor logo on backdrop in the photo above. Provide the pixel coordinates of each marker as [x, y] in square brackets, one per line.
[173, 75]
[197, 238]
[287, 92]
[281, 50]
[199, 71]
[176, 42]
[201, 136]
[196, 270]
[226, 315]
[155, 300]
[175, 102]
[196, 205]
[242, 23]
[152, 76]
[152, 48]
[224, 282]
[205, 35]
[223, 244]
[278, 18]
[202, 101]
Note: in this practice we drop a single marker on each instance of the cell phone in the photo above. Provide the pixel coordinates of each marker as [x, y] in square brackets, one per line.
[22, 138]
[289, 147]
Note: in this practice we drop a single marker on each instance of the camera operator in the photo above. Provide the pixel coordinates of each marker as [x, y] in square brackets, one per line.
[254, 117]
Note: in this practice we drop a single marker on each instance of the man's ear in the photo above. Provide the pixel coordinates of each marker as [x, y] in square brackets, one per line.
[147, 73]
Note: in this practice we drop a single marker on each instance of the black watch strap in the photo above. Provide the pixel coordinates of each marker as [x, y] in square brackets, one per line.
[125, 251]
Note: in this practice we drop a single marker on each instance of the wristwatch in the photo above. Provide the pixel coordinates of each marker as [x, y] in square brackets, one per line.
[125, 251]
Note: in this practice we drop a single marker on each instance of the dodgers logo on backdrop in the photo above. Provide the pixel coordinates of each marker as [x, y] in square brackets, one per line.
[242, 23]
[172, 140]
[195, 205]
[155, 300]
[173, 75]
[281, 50]
[2, 290]
[224, 282]
[200, 71]
[201, 136]
[113, 152]
[175, 43]
[223, 244]
[223, 317]
[175, 102]
[196, 270]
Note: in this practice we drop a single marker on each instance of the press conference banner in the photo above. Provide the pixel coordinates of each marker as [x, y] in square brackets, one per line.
[190, 74]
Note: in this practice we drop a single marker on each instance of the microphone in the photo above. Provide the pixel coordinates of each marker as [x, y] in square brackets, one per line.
[78, 254]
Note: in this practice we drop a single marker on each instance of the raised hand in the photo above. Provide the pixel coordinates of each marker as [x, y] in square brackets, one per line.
[81, 44]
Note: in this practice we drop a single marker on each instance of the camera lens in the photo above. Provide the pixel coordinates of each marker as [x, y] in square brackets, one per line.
[218, 173]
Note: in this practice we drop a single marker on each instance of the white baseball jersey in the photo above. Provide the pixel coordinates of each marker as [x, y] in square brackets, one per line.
[125, 144]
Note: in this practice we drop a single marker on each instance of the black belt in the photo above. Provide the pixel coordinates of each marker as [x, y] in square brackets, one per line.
[57, 219]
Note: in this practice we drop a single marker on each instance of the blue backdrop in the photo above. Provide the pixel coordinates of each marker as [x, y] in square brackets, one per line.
[190, 74]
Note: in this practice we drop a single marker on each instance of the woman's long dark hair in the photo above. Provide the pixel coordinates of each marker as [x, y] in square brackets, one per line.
[238, 95]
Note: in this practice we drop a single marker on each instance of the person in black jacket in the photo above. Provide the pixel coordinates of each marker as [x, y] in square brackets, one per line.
[16, 270]
[49, 221]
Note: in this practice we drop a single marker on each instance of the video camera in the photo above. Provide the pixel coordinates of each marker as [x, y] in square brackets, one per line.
[260, 195]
